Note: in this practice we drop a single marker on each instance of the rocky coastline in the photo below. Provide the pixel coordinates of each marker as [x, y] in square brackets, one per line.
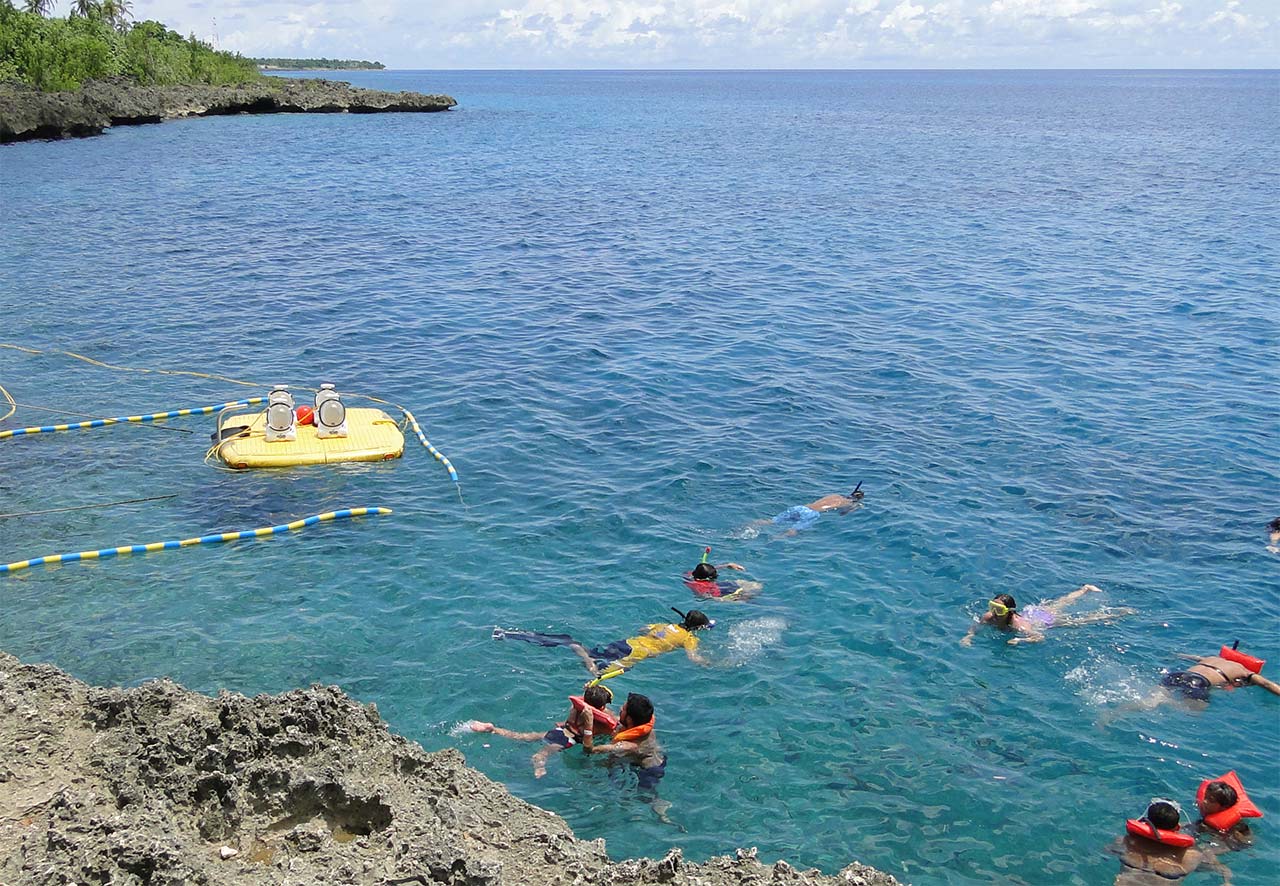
[27, 113]
[159, 785]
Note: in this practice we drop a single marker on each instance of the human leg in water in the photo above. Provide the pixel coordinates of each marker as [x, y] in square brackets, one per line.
[549, 640]
[1061, 603]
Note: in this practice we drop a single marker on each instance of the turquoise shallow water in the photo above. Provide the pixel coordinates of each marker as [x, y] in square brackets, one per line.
[1034, 312]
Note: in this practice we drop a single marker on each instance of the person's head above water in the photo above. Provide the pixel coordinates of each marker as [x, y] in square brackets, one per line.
[704, 572]
[1274, 528]
[1218, 795]
[694, 619]
[1002, 607]
[598, 695]
[637, 709]
[1163, 814]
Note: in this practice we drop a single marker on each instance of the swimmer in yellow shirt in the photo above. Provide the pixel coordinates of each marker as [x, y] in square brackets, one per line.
[614, 658]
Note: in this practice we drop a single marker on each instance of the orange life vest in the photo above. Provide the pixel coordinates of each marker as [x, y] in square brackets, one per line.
[635, 733]
[1226, 819]
[1253, 664]
[603, 721]
[1146, 829]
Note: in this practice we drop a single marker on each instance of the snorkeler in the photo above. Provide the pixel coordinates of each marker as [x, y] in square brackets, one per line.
[1003, 613]
[1223, 806]
[804, 516]
[1155, 849]
[584, 713]
[613, 659]
[704, 581]
[1273, 534]
[1229, 669]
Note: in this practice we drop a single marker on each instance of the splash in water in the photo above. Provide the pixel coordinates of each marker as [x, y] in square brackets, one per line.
[749, 639]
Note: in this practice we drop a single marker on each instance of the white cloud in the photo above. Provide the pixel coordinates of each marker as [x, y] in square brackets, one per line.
[743, 33]
[905, 17]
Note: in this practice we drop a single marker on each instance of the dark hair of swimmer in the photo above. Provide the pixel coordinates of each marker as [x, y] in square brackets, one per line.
[639, 707]
[704, 572]
[1163, 815]
[597, 696]
[694, 619]
[1274, 525]
[1221, 793]
[1007, 600]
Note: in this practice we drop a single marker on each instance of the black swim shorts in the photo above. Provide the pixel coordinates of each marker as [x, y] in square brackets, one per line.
[1193, 686]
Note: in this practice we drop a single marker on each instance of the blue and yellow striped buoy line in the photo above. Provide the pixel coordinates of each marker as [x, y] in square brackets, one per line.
[218, 538]
[439, 456]
[155, 416]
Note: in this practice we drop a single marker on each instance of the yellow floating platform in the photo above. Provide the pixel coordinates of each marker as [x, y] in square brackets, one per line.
[372, 435]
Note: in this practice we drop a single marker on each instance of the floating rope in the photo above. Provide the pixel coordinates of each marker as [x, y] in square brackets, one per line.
[86, 415]
[439, 456]
[105, 504]
[200, 540]
[155, 416]
[13, 407]
[90, 360]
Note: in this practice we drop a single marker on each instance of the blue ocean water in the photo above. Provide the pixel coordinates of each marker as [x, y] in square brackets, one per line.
[1035, 313]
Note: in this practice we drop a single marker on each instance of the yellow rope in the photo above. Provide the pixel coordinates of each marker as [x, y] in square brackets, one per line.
[90, 360]
[13, 407]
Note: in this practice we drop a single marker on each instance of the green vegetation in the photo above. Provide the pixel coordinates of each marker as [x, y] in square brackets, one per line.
[318, 64]
[97, 40]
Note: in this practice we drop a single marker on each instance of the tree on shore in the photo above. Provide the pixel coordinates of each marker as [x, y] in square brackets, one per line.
[86, 8]
[117, 12]
[39, 7]
[54, 54]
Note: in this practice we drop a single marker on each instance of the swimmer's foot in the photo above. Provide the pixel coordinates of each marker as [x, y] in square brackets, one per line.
[1091, 589]
[539, 767]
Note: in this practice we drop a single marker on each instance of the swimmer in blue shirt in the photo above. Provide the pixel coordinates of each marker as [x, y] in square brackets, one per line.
[1031, 623]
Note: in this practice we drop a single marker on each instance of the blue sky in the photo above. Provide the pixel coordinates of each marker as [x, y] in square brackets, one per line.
[744, 33]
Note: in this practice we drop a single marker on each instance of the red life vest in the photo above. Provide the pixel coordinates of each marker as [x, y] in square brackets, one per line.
[1226, 819]
[1141, 828]
[703, 587]
[635, 733]
[603, 721]
[1253, 664]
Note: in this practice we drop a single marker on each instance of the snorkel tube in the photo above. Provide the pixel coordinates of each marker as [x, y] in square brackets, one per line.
[706, 553]
[684, 618]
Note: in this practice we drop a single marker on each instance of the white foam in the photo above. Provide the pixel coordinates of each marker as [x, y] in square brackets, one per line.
[462, 727]
[1104, 681]
[749, 639]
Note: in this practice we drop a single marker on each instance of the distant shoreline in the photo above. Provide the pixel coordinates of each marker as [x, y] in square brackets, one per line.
[276, 68]
[317, 64]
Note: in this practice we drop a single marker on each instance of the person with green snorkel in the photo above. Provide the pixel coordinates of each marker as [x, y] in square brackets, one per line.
[704, 581]
[617, 657]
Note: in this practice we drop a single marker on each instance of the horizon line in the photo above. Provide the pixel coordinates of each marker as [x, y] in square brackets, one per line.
[789, 70]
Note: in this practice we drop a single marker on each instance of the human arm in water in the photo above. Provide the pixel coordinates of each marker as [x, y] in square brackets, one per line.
[481, 726]
[967, 639]
[1269, 685]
